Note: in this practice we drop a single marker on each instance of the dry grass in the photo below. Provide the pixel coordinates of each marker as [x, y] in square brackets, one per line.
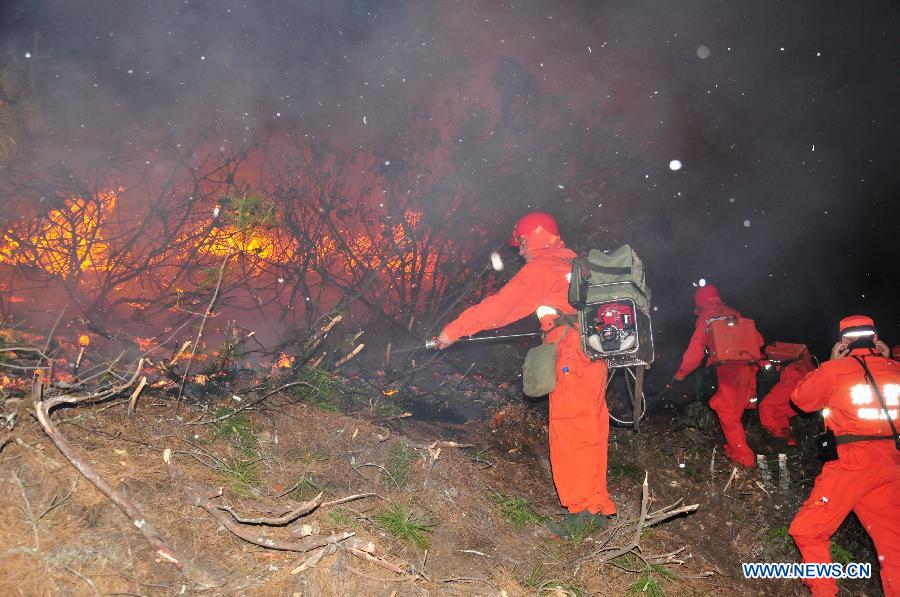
[54, 541]
[86, 540]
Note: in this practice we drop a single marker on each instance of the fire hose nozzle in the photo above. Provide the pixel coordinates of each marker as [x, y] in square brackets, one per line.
[430, 344]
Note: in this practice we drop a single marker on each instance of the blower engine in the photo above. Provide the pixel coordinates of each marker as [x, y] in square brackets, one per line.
[612, 300]
[613, 327]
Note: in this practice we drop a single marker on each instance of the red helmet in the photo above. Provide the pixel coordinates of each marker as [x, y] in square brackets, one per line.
[531, 222]
[706, 294]
[857, 325]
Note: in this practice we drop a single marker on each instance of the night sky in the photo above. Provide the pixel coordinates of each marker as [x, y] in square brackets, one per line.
[785, 117]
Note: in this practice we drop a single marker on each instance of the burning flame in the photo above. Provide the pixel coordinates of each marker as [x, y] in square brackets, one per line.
[70, 238]
[73, 239]
[90, 240]
[369, 251]
[264, 246]
[145, 344]
[12, 383]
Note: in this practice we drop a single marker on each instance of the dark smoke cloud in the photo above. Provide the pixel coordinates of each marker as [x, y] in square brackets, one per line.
[787, 130]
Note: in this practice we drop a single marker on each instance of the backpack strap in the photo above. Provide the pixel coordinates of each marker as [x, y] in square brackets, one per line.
[612, 271]
[562, 320]
[849, 439]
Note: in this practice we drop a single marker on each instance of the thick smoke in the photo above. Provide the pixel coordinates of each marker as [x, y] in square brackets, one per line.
[783, 116]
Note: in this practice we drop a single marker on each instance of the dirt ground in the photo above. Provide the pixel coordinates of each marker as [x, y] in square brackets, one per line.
[470, 516]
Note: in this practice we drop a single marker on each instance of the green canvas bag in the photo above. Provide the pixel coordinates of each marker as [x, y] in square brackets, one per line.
[539, 369]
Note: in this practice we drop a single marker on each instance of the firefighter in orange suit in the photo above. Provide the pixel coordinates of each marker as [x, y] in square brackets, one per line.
[579, 421]
[737, 381]
[775, 410]
[865, 477]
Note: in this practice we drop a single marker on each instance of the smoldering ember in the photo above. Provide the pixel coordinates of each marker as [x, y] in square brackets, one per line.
[357, 297]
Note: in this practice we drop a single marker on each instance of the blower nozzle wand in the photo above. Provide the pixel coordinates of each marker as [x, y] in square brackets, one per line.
[432, 343]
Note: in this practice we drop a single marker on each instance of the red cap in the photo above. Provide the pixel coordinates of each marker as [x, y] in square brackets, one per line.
[856, 321]
[530, 222]
[707, 294]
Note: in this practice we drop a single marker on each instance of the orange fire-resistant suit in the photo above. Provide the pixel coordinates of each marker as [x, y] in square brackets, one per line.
[737, 381]
[866, 476]
[775, 410]
[579, 421]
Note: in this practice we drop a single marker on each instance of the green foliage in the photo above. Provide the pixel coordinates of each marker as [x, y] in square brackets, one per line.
[318, 387]
[241, 474]
[385, 408]
[305, 489]
[781, 539]
[841, 555]
[629, 561]
[399, 520]
[229, 352]
[340, 517]
[326, 404]
[776, 534]
[238, 429]
[314, 456]
[348, 343]
[583, 532]
[700, 416]
[398, 466]
[629, 470]
[517, 511]
[248, 211]
[536, 577]
[648, 584]
[478, 456]
[209, 276]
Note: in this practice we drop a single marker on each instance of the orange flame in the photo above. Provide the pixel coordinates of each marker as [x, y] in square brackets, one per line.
[12, 383]
[70, 238]
[80, 238]
[145, 344]
[263, 245]
[84, 340]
